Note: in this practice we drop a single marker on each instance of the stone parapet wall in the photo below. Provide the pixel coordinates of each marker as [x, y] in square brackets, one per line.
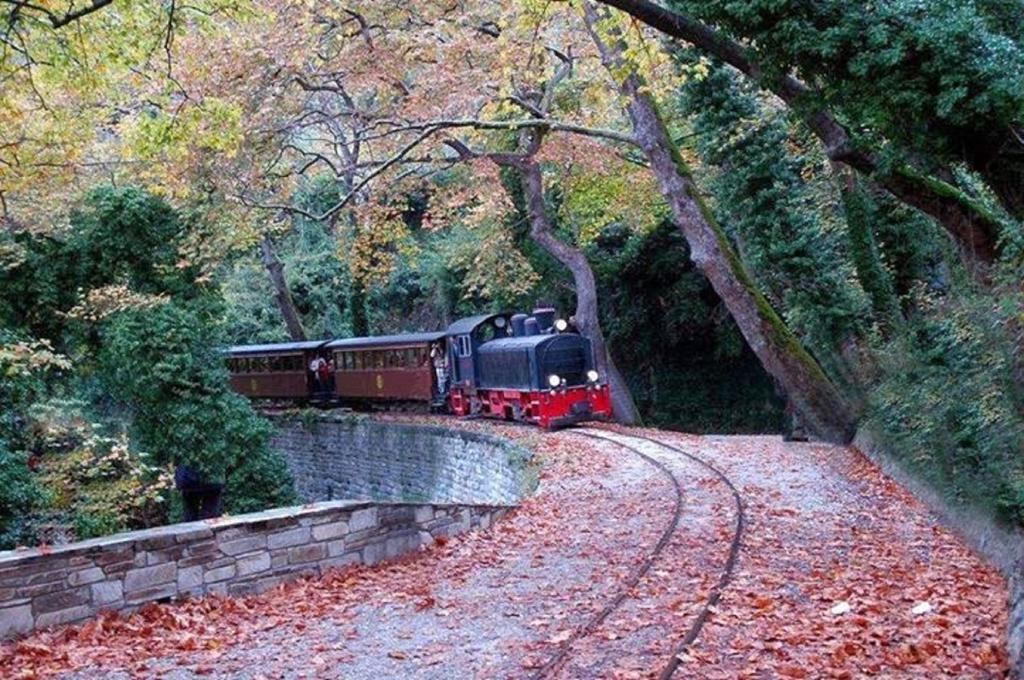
[243, 554]
[352, 457]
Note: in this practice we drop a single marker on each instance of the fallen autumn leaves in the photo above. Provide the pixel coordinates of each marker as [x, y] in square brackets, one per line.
[824, 527]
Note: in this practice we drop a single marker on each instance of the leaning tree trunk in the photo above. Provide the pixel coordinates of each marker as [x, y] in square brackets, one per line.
[828, 414]
[586, 315]
[282, 295]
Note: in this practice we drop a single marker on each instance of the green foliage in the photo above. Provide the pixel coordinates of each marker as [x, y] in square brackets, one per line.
[127, 235]
[682, 355]
[771, 213]
[928, 75]
[24, 370]
[100, 486]
[19, 495]
[948, 406]
[162, 362]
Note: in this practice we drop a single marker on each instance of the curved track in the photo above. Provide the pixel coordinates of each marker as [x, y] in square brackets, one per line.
[622, 440]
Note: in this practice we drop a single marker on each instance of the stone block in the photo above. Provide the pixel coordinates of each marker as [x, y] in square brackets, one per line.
[143, 578]
[286, 539]
[244, 544]
[253, 564]
[118, 569]
[423, 513]
[372, 554]
[363, 519]
[86, 576]
[326, 532]
[397, 545]
[56, 575]
[171, 554]
[111, 557]
[62, 616]
[219, 574]
[61, 600]
[340, 561]
[41, 589]
[217, 588]
[335, 548]
[307, 553]
[16, 620]
[193, 534]
[190, 577]
[157, 542]
[163, 591]
[279, 558]
[107, 593]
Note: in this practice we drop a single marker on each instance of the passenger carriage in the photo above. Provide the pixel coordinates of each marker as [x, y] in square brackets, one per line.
[274, 371]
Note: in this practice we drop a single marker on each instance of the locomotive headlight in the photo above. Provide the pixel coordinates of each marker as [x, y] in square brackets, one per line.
[561, 325]
[554, 380]
[592, 375]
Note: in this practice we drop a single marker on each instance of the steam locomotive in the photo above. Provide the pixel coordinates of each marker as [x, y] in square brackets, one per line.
[510, 366]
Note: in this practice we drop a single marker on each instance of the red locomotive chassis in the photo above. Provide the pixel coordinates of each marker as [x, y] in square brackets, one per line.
[550, 409]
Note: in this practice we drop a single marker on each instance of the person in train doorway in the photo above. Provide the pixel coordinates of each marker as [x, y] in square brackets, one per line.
[323, 373]
[201, 499]
[439, 358]
[314, 368]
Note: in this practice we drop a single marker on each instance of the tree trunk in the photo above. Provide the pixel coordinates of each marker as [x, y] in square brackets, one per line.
[282, 295]
[828, 414]
[357, 302]
[972, 226]
[586, 316]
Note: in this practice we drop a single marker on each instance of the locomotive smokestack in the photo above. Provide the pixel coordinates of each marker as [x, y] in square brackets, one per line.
[530, 327]
[545, 318]
[518, 325]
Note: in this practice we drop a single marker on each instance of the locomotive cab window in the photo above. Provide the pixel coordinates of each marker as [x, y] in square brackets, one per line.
[465, 346]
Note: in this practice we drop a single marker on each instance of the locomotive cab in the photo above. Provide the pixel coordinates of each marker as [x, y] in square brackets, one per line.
[465, 337]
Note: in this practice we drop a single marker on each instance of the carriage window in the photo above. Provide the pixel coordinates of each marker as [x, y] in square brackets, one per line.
[378, 359]
[275, 364]
[465, 347]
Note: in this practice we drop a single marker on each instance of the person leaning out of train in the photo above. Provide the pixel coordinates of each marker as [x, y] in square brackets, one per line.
[323, 373]
[314, 368]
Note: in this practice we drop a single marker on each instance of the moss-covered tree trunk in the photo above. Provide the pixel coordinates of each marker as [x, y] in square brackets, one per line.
[282, 294]
[827, 413]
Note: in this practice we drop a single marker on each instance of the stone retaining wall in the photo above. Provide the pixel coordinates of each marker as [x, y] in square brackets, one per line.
[247, 553]
[352, 457]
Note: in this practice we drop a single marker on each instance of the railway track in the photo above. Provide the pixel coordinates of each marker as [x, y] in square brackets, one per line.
[667, 454]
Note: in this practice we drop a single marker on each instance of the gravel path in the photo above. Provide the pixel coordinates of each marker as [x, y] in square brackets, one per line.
[824, 527]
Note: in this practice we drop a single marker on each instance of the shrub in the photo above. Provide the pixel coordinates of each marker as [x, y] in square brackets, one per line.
[161, 362]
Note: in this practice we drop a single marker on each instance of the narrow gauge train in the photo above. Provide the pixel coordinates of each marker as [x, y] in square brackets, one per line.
[509, 366]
